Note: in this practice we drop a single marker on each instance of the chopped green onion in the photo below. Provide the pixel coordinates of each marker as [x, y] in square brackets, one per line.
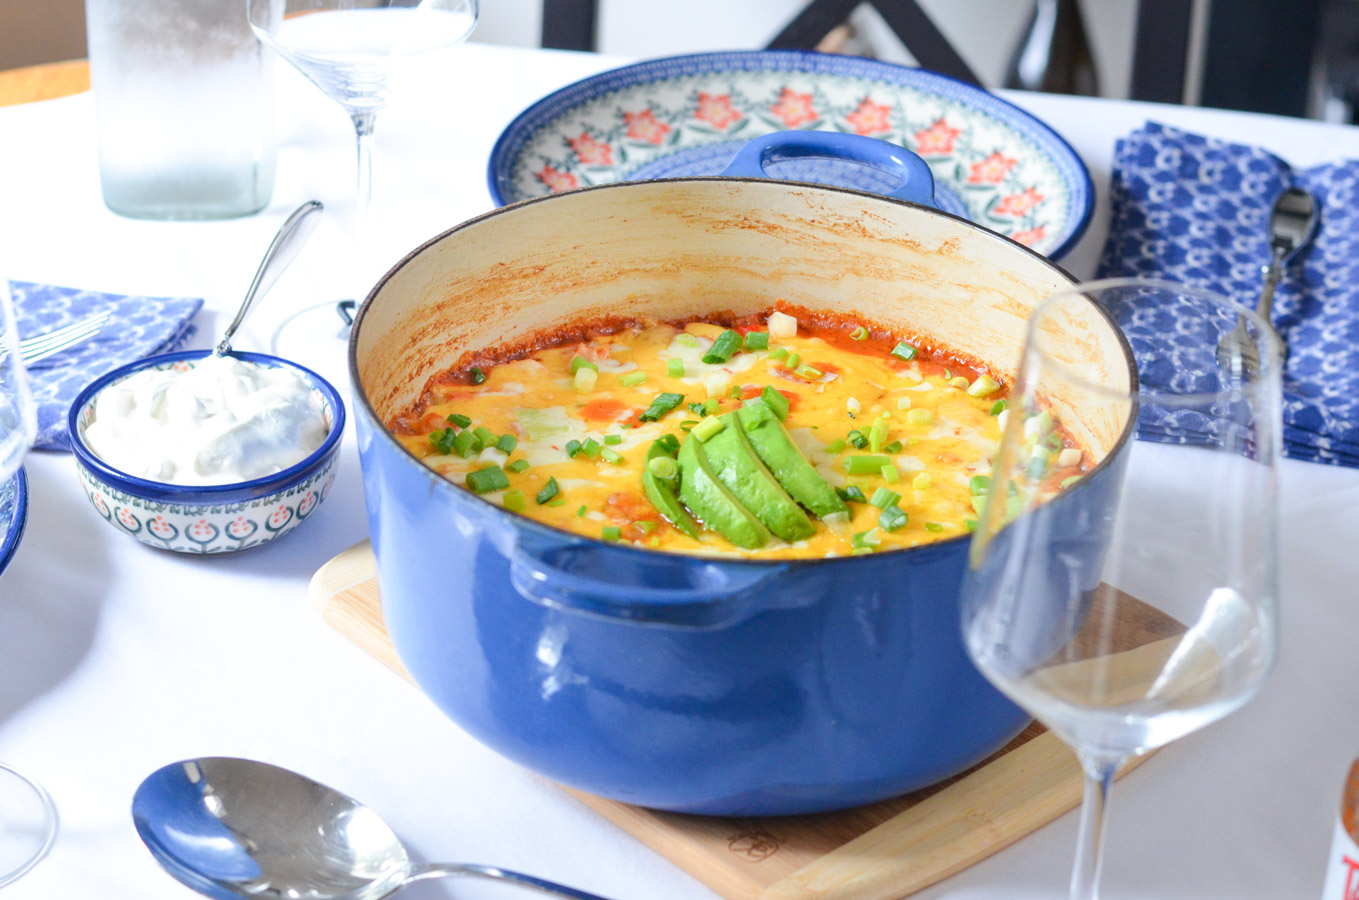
[877, 435]
[517, 466]
[979, 484]
[460, 420]
[959, 382]
[663, 467]
[669, 443]
[697, 409]
[580, 513]
[919, 416]
[585, 380]
[922, 481]
[613, 439]
[883, 498]
[558, 502]
[793, 360]
[443, 440]
[708, 427]
[1053, 442]
[984, 386]
[1069, 481]
[890, 473]
[572, 448]
[865, 465]
[835, 446]
[734, 393]
[486, 436]
[894, 447]
[478, 376]
[645, 526]
[513, 500]
[776, 400]
[590, 448]
[632, 379]
[579, 362]
[688, 425]
[660, 405]
[904, 351]
[851, 494]
[903, 403]
[778, 353]
[757, 340]
[490, 478]
[856, 437]
[811, 373]
[970, 524]
[892, 518]
[467, 444]
[674, 368]
[507, 443]
[933, 526]
[727, 343]
[611, 533]
[860, 333]
[613, 456]
[866, 539]
[685, 339]
[979, 504]
[999, 407]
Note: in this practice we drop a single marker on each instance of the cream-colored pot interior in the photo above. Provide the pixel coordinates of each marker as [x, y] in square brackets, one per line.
[685, 248]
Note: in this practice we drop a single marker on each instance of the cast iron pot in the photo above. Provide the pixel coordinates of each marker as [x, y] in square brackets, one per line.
[681, 682]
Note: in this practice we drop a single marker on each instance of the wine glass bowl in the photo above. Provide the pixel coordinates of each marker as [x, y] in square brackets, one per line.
[1172, 538]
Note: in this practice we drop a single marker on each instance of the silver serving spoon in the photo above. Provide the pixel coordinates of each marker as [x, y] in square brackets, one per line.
[233, 828]
[283, 249]
[1292, 224]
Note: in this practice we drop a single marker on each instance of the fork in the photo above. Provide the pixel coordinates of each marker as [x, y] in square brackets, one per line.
[53, 342]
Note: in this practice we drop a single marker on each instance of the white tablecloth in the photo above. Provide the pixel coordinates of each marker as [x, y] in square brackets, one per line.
[117, 658]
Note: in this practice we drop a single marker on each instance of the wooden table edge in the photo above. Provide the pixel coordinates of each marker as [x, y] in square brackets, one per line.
[44, 82]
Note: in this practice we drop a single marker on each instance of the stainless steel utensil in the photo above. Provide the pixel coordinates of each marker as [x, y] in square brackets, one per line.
[239, 828]
[1292, 225]
[50, 343]
[292, 234]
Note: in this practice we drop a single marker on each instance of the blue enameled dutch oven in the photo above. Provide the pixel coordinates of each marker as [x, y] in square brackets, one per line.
[689, 683]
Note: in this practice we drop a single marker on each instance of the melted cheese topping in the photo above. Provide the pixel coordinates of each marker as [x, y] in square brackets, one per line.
[537, 401]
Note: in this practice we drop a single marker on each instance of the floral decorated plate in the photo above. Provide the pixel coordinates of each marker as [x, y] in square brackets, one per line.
[13, 515]
[687, 115]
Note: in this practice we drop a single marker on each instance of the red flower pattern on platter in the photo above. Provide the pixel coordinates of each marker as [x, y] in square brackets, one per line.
[794, 109]
[557, 181]
[937, 140]
[591, 152]
[1030, 237]
[643, 126]
[870, 117]
[716, 110]
[1018, 204]
[991, 170]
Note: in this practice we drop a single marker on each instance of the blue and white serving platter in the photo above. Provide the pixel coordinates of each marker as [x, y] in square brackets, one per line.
[679, 116]
[13, 516]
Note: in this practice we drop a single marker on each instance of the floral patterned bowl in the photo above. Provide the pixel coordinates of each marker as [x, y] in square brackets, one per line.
[220, 518]
[993, 163]
[13, 515]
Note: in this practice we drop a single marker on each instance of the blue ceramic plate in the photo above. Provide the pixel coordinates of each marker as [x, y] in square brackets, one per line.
[993, 163]
[13, 515]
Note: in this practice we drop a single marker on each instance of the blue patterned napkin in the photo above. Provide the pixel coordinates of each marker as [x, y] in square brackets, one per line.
[139, 327]
[1195, 210]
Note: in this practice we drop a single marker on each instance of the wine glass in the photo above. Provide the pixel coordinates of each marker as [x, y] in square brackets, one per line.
[28, 818]
[348, 48]
[1127, 597]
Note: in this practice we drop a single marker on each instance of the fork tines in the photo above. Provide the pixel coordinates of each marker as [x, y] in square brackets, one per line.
[44, 345]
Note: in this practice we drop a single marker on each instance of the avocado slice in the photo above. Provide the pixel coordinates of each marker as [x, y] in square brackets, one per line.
[775, 448]
[713, 503]
[664, 498]
[738, 467]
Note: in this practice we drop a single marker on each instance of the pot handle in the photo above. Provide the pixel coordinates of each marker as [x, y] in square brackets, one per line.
[917, 184]
[716, 595]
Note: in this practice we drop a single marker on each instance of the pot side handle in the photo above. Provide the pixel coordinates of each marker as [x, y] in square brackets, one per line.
[716, 596]
[917, 184]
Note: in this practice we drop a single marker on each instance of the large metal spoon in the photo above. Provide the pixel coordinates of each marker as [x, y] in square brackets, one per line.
[283, 249]
[1292, 224]
[233, 828]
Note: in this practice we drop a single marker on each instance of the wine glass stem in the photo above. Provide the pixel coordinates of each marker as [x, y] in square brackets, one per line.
[1099, 774]
[363, 131]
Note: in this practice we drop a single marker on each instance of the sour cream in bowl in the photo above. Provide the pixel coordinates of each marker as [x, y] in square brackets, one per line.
[201, 454]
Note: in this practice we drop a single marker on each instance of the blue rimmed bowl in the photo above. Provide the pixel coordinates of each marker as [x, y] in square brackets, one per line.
[13, 516]
[993, 163]
[207, 519]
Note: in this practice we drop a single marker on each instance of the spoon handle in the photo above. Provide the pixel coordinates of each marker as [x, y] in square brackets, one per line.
[292, 234]
[1272, 272]
[492, 873]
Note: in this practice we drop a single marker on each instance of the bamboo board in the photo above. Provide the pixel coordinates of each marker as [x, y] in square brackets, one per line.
[879, 852]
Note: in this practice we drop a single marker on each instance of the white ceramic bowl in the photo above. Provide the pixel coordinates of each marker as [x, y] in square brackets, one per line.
[219, 518]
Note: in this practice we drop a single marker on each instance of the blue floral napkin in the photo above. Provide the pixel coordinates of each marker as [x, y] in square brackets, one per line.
[1195, 210]
[138, 327]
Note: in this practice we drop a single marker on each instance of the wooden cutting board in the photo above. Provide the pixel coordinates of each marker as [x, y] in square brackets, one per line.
[879, 852]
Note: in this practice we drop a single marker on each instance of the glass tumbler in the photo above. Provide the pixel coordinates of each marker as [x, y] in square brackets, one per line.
[184, 97]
